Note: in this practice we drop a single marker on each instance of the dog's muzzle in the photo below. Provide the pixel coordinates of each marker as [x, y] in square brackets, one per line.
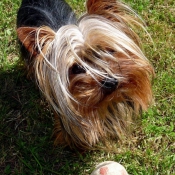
[109, 85]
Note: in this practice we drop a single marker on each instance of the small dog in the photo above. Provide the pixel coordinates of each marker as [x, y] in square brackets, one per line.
[91, 70]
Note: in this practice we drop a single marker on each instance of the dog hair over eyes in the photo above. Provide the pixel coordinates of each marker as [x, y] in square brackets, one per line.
[91, 70]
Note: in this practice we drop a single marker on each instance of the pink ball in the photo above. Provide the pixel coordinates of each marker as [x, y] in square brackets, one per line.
[109, 168]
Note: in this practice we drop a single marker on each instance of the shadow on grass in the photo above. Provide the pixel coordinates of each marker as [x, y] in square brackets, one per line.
[25, 131]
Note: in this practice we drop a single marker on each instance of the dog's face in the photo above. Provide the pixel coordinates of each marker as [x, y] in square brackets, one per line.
[106, 66]
[96, 63]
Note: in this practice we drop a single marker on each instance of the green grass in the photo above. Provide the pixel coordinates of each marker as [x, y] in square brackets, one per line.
[26, 146]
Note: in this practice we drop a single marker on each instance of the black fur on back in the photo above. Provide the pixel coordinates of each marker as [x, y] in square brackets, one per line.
[51, 13]
[37, 13]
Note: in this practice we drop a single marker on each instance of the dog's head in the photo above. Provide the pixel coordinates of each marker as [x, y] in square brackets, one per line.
[93, 70]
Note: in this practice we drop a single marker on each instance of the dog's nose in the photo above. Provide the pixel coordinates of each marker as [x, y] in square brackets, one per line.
[109, 85]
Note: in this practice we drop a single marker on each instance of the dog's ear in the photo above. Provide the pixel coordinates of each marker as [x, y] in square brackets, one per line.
[107, 8]
[116, 11]
[35, 39]
[100, 7]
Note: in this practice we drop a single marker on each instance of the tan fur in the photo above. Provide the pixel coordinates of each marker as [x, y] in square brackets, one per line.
[104, 44]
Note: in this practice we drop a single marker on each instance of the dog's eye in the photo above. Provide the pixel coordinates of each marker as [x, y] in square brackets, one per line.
[77, 69]
[110, 51]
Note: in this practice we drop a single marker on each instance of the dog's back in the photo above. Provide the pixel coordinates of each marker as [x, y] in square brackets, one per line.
[51, 13]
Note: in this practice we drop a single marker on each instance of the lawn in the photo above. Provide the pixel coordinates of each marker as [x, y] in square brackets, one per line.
[26, 121]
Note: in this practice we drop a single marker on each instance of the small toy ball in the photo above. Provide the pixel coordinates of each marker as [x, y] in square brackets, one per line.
[109, 168]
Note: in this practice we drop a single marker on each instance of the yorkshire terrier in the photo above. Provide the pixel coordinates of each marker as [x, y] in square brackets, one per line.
[91, 70]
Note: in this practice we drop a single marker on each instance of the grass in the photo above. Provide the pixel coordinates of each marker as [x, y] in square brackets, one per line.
[26, 122]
